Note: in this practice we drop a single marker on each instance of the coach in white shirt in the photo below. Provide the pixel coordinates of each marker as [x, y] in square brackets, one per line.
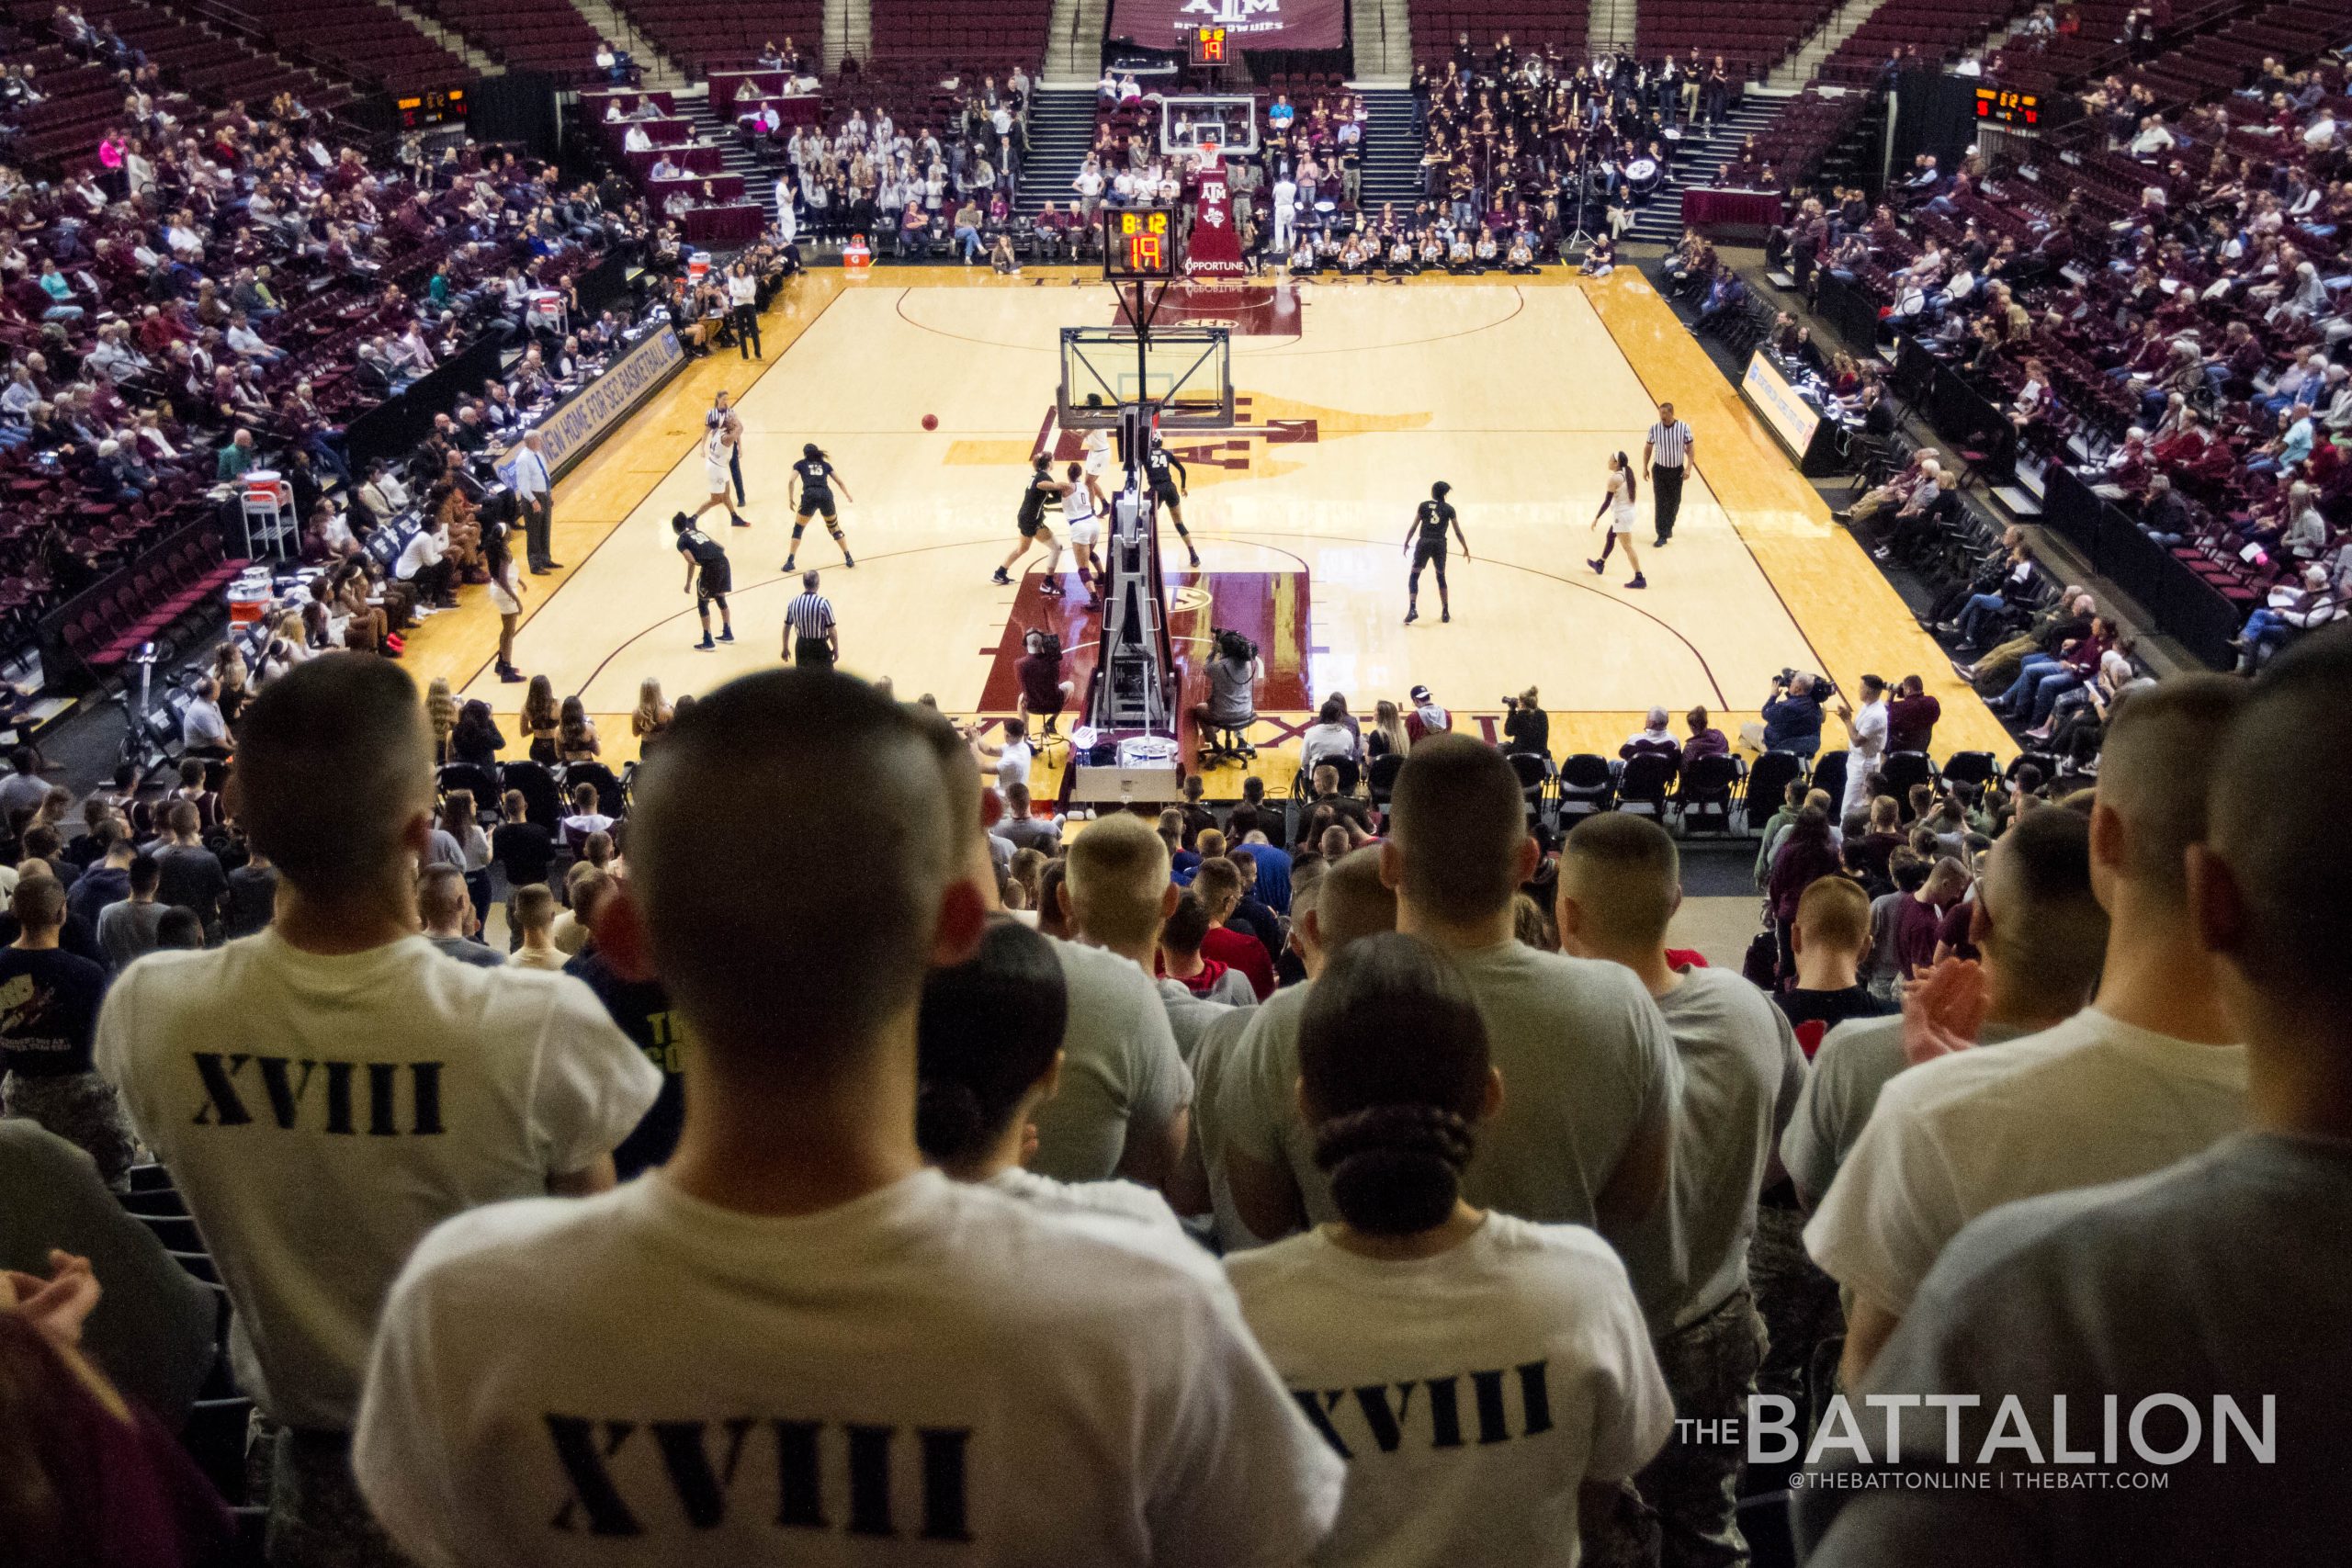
[329, 1090]
[2145, 1076]
[849, 1357]
[536, 491]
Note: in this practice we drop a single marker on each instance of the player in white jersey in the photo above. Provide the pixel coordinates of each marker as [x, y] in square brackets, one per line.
[1617, 504]
[721, 431]
[1084, 524]
[1098, 465]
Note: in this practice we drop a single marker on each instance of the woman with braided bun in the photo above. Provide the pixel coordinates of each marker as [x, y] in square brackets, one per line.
[1488, 1381]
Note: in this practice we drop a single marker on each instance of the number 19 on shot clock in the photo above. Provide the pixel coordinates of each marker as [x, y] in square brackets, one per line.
[1139, 243]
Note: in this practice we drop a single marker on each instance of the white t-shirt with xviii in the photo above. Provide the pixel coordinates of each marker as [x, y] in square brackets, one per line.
[321, 1114]
[932, 1372]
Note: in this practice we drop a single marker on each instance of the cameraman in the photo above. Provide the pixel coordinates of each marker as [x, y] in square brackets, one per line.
[1793, 716]
[1234, 673]
[1526, 726]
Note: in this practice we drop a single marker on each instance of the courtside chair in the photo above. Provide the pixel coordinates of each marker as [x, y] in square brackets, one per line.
[1707, 786]
[1966, 774]
[1829, 774]
[1644, 784]
[1586, 787]
[1767, 780]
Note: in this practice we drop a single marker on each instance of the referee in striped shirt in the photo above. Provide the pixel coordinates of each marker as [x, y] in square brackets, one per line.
[811, 639]
[1666, 453]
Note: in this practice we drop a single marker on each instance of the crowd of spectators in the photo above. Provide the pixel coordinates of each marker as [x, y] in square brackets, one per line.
[2161, 310]
[1034, 1077]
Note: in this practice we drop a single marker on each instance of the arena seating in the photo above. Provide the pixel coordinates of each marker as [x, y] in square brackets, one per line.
[364, 41]
[1438, 27]
[547, 36]
[217, 67]
[715, 35]
[972, 36]
[1752, 38]
[1934, 29]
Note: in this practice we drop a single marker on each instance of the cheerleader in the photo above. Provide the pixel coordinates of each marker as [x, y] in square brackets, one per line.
[1617, 504]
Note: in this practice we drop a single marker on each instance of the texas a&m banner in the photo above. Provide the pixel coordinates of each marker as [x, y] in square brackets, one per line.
[1248, 23]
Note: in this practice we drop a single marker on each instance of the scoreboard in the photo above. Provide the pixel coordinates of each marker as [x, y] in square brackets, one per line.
[1208, 45]
[1138, 245]
[2008, 106]
[433, 107]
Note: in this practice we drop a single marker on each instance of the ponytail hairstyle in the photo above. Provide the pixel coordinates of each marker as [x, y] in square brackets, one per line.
[1631, 489]
[988, 1030]
[1394, 1068]
[810, 450]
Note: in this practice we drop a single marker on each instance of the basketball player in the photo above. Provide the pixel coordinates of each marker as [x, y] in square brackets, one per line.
[1618, 505]
[1098, 464]
[708, 577]
[1157, 461]
[1079, 500]
[814, 478]
[1043, 491]
[721, 404]
[1425, 539]
[721, 431]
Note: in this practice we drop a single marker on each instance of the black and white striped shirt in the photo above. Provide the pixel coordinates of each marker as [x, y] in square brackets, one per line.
[810, 616]
[1671, 443]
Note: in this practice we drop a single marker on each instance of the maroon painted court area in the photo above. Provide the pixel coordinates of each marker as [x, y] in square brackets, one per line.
[1271, 609]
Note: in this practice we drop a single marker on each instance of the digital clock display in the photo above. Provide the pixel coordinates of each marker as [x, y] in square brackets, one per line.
[1208, 46]
[2007, 106]
[1139, 243]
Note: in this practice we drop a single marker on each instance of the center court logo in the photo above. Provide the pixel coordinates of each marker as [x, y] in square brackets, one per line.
[1952, 1429]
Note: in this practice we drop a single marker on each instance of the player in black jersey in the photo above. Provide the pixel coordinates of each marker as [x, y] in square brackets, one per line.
[814, 478]
[1425, 539]
[1162, 469]
[708, 576]
[1042, 491]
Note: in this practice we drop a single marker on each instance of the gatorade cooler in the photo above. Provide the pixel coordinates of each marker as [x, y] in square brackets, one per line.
[856, 260]
[546, 308]
[697, 266]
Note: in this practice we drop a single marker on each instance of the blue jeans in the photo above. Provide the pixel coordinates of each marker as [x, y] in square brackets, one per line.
[2034, 667]
[969, 238]
[1973, 615]
[2054, 684]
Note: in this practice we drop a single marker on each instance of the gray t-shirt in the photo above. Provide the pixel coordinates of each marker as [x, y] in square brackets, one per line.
[1214, 1055]
[129, 930]
[1189, 1016]
[2225, 1274]
[153, 1328]
[1586, 1061]
[1120, 1073]
[1854, 1063]
[1741, 1076]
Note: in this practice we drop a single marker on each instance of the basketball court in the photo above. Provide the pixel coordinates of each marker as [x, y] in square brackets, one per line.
[1350, 399]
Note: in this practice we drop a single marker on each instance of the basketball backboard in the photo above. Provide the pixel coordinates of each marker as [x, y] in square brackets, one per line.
[1186, 371]
[1190, 124]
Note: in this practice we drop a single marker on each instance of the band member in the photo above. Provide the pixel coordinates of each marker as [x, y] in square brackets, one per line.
[1043, 491]
[814, 478]
[1425, 539]
[708, 577]
[1165, 471]
[721, 431]
[1617, 504]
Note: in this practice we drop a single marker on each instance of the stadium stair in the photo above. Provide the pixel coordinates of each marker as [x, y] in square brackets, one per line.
[1392, 158]
[1062, 127]
[1696, 161]
[734, 156]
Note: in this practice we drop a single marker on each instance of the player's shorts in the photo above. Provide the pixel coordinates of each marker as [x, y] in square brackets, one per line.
[1167, 494]
[1029, 526]
[717, 579]
[1620, 520]
[1429, 552]
[1086, 531]
[813, 500]
[717, 476]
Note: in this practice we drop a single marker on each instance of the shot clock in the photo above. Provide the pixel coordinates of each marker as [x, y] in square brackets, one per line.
[1208, 46]
[1138, 245]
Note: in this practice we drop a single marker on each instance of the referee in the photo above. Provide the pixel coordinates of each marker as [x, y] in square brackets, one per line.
[1666, 453]
[811, 639]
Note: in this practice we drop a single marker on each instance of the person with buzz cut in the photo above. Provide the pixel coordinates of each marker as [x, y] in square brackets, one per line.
[329, 1090]
[1619, 885]
[2224, 1276]
[856, 1357]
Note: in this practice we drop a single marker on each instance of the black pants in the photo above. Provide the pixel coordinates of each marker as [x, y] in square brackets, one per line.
[537, 517]
[735, 468]
[434, 584]
[747, 332]
[812, 653]
[1665, 494]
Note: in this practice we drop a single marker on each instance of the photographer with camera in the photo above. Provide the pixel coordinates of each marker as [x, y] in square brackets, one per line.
[1526, 726]
[1234, 671]
[1792, 714]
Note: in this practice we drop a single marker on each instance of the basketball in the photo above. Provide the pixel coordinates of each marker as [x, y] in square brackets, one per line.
[931, 422]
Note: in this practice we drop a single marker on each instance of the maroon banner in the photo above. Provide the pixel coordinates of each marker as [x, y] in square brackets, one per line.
[1212, 250]
[1248, 23]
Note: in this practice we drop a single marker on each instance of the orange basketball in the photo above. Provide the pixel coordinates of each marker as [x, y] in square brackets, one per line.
[931, 422]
